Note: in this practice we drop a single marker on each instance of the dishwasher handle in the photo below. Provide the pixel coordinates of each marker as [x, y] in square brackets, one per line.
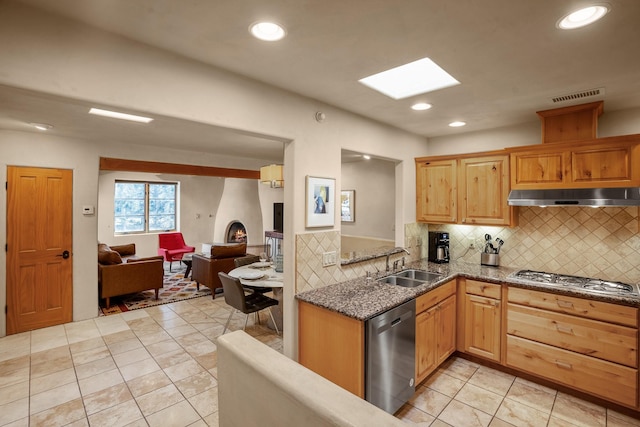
[385, 326]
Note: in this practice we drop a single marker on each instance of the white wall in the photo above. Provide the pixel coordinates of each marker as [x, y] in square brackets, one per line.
[43, 53]
[612, 123]
[374, 183]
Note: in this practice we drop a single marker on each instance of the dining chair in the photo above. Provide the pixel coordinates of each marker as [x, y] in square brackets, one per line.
[253, 302]
[245, 260]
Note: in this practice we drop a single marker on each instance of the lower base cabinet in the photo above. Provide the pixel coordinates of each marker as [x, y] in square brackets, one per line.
[332, 345]
[588, 345]
[435, 329]
[604, 379]
[482, 319]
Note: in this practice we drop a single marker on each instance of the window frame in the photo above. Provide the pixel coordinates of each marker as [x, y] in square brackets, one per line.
[147, 185]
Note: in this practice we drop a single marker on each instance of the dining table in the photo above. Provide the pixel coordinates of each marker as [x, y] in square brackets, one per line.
[260, 275]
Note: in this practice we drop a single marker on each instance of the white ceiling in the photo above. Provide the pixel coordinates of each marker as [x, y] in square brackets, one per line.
[508, 54]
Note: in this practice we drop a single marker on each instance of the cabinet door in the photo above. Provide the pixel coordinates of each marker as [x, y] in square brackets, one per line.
[602, 165]
[425, 343]
[484, 189]
[446, 322]
[482, 327]
[539, 170]
[436, 191]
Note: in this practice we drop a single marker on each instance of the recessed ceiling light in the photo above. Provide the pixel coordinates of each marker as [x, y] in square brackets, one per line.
[411, 79]
[582, 17]
[366, 156]
[457, 124]
[268, 31]
[420, 106]
[122, 116]
[41, 126]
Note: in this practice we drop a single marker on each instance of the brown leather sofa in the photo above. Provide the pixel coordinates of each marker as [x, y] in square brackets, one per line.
[121, 272]
[205, 267]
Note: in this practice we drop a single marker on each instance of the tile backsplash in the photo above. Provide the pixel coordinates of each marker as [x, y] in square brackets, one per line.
[601, 243]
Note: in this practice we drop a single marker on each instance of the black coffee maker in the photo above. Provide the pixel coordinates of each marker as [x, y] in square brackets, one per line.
[438, 246]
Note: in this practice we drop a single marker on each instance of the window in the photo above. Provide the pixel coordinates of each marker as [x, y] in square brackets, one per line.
[144, 207]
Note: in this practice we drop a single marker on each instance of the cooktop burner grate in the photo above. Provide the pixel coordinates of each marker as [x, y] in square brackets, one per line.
[595, 285]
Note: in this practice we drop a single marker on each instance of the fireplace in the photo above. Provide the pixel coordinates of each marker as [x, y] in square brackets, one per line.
[236, 232]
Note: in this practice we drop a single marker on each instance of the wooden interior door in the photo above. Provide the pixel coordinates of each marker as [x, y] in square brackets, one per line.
[39, 263]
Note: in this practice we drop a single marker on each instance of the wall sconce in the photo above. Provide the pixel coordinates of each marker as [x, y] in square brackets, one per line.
[272, 175]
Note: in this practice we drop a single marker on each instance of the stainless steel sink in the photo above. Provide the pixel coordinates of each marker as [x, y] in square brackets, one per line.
[401, 281]
[410, 278]
[419, 275]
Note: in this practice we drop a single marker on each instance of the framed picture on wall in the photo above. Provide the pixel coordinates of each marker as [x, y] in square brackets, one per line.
[348, 205]
[320, 199]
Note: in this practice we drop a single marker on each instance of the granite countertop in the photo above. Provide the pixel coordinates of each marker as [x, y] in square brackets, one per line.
[363, 298]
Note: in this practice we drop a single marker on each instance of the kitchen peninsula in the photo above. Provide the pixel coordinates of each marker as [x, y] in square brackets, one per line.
[581, 339]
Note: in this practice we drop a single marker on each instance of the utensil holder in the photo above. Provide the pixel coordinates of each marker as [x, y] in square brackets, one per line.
[491, 260]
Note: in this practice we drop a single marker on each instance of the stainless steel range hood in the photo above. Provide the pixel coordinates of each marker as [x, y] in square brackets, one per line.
[576, 197]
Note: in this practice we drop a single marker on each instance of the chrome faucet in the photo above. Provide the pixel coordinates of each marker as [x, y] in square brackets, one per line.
[395, 263]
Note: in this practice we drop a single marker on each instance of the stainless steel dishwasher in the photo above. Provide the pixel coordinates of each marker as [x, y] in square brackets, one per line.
[390, 354]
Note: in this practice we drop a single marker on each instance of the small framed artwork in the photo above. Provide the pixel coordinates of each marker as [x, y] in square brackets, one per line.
[320, 197]
[348, 205]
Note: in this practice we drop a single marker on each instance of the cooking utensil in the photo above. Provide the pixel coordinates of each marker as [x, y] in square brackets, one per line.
[500, 243]
[487, 238]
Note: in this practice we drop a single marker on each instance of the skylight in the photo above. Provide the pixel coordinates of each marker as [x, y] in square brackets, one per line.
[411, 79]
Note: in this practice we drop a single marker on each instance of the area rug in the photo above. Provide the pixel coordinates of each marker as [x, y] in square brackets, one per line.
[175, 288]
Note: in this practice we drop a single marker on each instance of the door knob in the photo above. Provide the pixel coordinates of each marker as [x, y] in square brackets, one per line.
[64, 254]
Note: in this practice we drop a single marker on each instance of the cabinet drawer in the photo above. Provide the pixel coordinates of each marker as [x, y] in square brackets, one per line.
[601, 378]
[591, 337]
[489, 290]
[433, 297]
[582, 307]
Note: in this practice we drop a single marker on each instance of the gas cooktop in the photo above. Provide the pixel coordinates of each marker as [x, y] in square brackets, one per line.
[563, 280]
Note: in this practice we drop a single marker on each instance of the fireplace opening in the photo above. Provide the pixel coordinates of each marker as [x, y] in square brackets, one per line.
[237, 233]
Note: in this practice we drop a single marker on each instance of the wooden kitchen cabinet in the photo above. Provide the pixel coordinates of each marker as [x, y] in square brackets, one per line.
[482, 319]
[464, 190]
[435, 328]
[605, 162]
[436, 191]
[332, 345]
[588, 345]
[483, 191]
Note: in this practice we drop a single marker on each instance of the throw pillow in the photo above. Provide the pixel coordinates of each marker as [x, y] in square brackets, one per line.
[228, 251]
[106, 256]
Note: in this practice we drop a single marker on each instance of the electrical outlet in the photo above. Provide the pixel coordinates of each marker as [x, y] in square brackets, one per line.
[329, 258]
[472, 244]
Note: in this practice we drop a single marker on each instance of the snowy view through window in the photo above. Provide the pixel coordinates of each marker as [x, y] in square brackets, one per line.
[144, 207]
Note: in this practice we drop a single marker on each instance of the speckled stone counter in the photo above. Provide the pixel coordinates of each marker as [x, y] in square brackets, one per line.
[363, 298]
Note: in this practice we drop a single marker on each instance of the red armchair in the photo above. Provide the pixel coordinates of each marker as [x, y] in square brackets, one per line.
[172, 246]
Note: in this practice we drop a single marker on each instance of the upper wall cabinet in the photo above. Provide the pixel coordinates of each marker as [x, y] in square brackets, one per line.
[604, 162]
[484, 189]
[464, 190]
[436, 191]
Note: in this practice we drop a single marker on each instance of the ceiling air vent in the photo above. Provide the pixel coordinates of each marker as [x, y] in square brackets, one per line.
[579, 96]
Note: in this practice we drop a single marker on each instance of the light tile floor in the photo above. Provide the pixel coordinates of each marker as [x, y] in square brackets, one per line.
[157, 367]
[464, 394]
